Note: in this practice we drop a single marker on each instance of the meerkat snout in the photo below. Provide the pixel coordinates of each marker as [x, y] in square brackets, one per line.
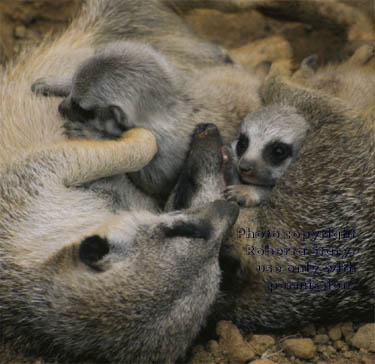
[246, 167]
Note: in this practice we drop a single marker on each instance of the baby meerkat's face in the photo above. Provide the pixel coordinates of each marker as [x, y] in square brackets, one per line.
[269, 141]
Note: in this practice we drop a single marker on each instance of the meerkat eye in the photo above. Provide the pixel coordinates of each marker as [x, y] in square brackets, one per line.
[198, 230]
[278, 152]
[242, 144]
[81, 112]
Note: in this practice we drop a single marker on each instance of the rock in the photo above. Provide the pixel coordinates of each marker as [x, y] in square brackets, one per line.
[201, 356]
[262, 361]
[335, 333]
[20, 31]
[365, 337]
[301, 348]
[260, 343]
[348, 332]
[347, 328]
[321, 339]
[345, 348]
[339, 344]
[309, 330]
[330, 350]
[213, 346]
[367, 360]
[233, 345]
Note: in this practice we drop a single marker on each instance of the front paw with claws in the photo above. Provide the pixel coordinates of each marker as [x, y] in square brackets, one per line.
[243, 195]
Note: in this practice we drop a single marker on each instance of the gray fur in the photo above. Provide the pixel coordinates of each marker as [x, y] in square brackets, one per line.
[143, 295]
[128, 84]
[264, 130]
[145, 300]
[54, 304]
[329, 186]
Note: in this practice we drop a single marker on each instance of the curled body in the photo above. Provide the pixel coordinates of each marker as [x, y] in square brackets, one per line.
[328, 190]
[82, 282]
[305, 254]
[80, 278]
[129, 84]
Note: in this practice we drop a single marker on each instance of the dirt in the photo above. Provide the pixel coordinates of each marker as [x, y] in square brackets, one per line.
[253, 40]
[344, 343]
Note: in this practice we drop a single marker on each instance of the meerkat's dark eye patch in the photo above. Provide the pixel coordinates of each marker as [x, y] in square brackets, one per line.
[228, 59]
[81, 113]
[199, 230]
[93, 249]
[277, 152]
[242, 144]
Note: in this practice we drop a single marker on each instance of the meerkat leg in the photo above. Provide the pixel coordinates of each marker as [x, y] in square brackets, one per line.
[52, 86]
[362, 55]
[245, 195]
[307, 68]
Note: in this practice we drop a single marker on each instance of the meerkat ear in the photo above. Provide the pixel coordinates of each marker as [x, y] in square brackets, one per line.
[118, 114]
[92, 250]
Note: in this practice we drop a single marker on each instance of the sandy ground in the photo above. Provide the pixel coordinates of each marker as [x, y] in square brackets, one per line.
[253, 39]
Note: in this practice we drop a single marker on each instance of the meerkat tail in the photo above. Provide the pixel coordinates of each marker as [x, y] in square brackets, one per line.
[88, 160]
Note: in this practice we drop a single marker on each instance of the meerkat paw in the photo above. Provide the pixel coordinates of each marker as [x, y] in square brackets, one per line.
[78, 130]
[50, 86]
[41, 87]
[244, 195]
[362, 55]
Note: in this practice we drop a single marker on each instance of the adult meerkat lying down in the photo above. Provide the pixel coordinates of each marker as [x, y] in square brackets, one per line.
[306, 254]
[81, 283]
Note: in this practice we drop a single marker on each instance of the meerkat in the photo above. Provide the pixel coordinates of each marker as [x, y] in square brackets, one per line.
[217, 92]
[307, 254]
[202, 177]
[128, 84]
[352, 81]
[269, 140]
[78, 281]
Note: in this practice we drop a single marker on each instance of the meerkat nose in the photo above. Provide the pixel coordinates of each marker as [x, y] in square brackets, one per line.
[63, 108]
[246, 167]
[205, 129]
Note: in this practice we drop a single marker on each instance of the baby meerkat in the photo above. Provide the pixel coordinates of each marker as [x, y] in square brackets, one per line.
[129, 84]
[269, 140]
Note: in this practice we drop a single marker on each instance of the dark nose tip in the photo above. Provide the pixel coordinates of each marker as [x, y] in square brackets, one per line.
[205, 129]
[63, 108]
[246, 166]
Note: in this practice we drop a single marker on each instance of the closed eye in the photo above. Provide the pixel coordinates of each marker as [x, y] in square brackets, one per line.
[81, 112]
[201, 230]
